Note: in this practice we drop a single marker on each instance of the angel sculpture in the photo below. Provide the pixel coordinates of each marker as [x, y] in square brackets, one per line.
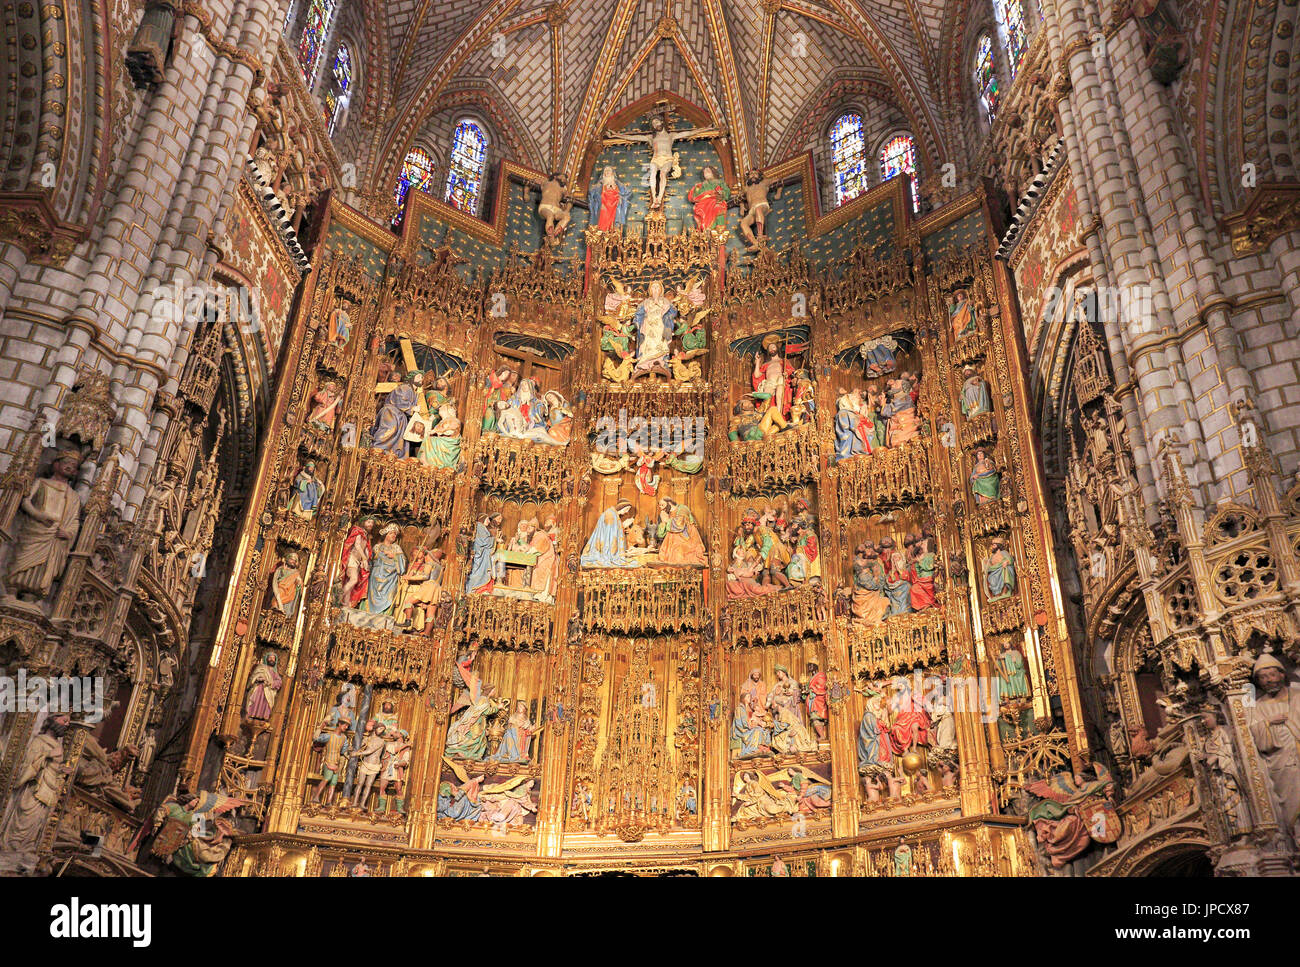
[1071, 811]
[684, 372]
[690, 301]
[191, 835]
[618, 334]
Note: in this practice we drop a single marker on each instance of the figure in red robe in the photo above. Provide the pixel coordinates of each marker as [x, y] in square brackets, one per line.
[911, 727]
[609, 200]
[355, 562]
[710, 198]
[816, 699]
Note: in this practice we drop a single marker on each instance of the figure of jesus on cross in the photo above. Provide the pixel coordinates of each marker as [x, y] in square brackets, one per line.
[661, 139]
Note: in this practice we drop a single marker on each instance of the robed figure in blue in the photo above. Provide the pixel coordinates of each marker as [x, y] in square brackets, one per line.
[305, 496]
[872, 750]
[607, 545]
[386, 569]
[748, 736]
[999, 571]
[481, 553]
[975, 397]
[394, 414]
[608, 201]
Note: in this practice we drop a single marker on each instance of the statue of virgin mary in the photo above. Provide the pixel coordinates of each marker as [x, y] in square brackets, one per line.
[655, 321]
[607, 546]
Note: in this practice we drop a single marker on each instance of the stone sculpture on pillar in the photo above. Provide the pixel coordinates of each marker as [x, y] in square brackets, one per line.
[49, 518]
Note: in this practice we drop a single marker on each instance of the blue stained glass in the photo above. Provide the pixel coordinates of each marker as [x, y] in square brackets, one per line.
[848, 157]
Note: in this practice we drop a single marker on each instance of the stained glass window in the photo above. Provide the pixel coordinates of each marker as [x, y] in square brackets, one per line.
[468, 162]
[417, 172]
[848, 157]
[320, 13]
[336, 97]
[1011, 26]
[986, 79]
[897, 157]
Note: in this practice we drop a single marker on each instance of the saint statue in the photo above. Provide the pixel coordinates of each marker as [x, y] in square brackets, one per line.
[389, 432]
[518, 736]
[1221, 761]
[36, 791]
[773, 379]
[387, 565]
[340, 327]
[999, 571]
[751, 734]
[898, 584]
[1274, 722]
[985, 478]
[709, 197]
[306, 491]
[655, 321]
[904, 424]
[679, 536]
[920, 555]
[607, 545]
[1013, 680]
[264, 685]
[356, 562]
[608, 201]
[423, 581]
[371, 754]
[975, 397]
[785, 701]
[873, 751]
[286, 585]
[48, 521]
[441, 445]
[500, 388]
[487, 530]
[815, 699]
[855, 430]
[961, 315]
[869, 603]
[541, 581]
[325, 403]
[903, 860]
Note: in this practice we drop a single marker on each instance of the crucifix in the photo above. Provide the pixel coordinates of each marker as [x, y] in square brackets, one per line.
[661, 139]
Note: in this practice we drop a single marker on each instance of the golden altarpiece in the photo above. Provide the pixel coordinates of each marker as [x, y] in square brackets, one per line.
[650, 563]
